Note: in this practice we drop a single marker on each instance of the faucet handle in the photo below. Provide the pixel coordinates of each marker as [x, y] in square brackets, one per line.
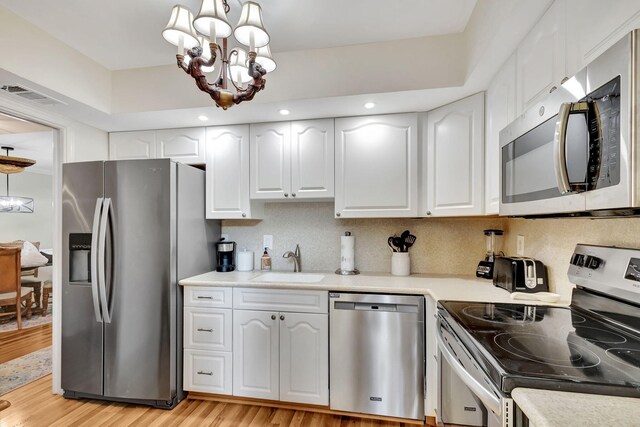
[297, 250]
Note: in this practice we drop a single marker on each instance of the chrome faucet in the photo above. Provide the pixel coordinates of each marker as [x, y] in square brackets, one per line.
[296, 259]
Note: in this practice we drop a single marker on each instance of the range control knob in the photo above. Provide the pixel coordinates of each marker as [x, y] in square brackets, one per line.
[592, 262]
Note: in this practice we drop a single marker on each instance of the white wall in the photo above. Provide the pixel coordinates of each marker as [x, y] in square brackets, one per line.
[37, 226]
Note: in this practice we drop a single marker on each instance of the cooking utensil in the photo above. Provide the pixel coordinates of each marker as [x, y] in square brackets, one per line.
[397, 242]
[390, 243]
[403, 236]
[409, 241]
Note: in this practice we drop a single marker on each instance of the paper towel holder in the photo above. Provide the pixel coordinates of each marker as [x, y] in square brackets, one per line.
[347, 272]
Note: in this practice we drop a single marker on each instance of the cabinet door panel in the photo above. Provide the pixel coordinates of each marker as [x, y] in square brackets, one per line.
[255, 354]
[541, 58]
[132, 145]
[228, 172]
[500, 111]
[312, 159]
[181, 145]
[455, 158]
[376, 166]
[304, 358]
[270, 160]
[207, 329]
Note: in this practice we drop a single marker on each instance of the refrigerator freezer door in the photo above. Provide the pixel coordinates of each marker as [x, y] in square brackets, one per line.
[140, 340]
[82, 333]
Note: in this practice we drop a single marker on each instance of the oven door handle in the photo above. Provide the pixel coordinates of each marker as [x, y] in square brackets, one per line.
[486, 396]
[560, 149]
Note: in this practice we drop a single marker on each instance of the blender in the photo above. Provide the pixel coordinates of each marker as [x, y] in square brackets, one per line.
[493, 244]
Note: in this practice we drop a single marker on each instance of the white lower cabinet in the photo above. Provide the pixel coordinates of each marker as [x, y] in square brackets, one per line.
[207, 336]
[207, 371]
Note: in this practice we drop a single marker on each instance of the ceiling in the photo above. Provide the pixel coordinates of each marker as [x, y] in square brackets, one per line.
[30, 140]
[123, 34]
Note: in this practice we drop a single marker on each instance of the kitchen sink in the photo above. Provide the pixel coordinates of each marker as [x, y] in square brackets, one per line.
[274, 277]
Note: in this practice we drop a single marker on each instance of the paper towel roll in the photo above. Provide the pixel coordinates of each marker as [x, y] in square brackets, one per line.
[347, 253]
[245, 260]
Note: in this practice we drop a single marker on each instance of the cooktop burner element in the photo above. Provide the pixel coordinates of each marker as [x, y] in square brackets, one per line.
[600, 335]
[547, 351]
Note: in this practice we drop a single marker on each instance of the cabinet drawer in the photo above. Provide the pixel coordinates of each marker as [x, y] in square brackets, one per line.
[208, 371]
[287, 300]
[207, 329]
[200, 296]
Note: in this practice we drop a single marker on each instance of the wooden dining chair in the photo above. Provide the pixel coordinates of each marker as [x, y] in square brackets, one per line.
[11, 293]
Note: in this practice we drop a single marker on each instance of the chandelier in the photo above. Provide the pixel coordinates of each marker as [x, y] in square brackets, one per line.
[242, 71]
[9, 165]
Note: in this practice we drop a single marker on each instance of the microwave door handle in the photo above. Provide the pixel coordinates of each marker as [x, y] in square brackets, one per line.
[94, 258]
[560, 149]
[485, 396]
[102, 246]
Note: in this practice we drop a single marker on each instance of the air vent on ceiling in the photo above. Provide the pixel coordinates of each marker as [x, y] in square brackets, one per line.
[30, 94]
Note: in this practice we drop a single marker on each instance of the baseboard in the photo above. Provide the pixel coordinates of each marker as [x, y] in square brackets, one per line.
[299, 407]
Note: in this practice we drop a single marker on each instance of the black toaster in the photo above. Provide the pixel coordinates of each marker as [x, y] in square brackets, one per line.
[517, 274]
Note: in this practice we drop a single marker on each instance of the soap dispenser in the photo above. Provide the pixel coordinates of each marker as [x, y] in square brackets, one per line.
[265, 261]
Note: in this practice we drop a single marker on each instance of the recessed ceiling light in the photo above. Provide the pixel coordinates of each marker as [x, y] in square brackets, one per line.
[203, 118]
[369, 105]
[285, 112]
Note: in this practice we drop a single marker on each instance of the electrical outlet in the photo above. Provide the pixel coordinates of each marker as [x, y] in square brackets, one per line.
[520, 245]
[267, 241]
[224, 236]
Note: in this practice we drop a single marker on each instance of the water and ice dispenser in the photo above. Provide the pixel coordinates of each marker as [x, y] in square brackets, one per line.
[80, 257]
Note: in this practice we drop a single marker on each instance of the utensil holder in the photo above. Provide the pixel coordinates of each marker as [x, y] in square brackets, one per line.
[400, 264]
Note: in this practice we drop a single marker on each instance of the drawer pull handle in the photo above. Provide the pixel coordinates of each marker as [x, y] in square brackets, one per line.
[205, 373]
[201, 297]
[204, 330]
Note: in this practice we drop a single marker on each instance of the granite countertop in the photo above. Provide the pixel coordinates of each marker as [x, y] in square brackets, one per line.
[440, 287]
[547, 408]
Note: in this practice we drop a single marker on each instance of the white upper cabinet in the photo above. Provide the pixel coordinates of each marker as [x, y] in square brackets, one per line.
[376, 166]
[312, 159]
[181, 145]
[500, 111]
[270, 160]
[292, 160]
[228, 174]
[599, 25]
[132, 145]
[454, 159]
[540, 58]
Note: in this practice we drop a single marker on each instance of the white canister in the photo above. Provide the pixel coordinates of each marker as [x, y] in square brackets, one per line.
[244, 260]
[400, 264]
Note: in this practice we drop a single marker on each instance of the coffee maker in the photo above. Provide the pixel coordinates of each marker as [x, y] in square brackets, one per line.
[493, 244]
[225, 255]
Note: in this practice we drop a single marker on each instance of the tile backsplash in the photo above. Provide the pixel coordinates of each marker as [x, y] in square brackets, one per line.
[443, 245]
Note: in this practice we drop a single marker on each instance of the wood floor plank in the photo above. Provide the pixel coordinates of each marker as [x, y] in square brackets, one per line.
[16, 344]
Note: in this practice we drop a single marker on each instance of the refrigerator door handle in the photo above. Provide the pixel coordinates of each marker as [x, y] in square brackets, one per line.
[102, 246]
[94, 258]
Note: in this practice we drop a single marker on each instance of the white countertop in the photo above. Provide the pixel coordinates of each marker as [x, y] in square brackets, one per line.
[546, 408]
[440, 287]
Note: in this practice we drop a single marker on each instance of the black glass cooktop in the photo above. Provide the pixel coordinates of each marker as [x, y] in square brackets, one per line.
[550, 347]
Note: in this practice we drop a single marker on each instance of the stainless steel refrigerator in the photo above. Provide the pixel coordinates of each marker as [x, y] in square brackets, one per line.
[131, 230]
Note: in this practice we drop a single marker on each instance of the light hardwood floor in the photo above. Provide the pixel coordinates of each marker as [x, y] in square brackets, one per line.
[33, 406]
[18, 343]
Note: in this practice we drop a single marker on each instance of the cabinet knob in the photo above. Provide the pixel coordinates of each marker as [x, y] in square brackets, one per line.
[293, 194]
[286, 194]
[337, 213]
[553, 88]
[428, 212]
[273, 317]
[244, 215]
[282, 317]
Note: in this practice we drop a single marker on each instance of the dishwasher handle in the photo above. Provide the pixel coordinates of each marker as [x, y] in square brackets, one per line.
[485, 395]
[369, 306]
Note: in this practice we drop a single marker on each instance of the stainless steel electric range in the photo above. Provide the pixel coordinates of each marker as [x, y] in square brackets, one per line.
[592, 346]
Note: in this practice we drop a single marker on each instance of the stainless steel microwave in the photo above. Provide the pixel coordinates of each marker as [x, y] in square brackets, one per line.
[576, 152]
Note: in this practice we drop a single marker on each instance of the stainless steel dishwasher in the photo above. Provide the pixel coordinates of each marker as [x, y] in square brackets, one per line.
[377, 350]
